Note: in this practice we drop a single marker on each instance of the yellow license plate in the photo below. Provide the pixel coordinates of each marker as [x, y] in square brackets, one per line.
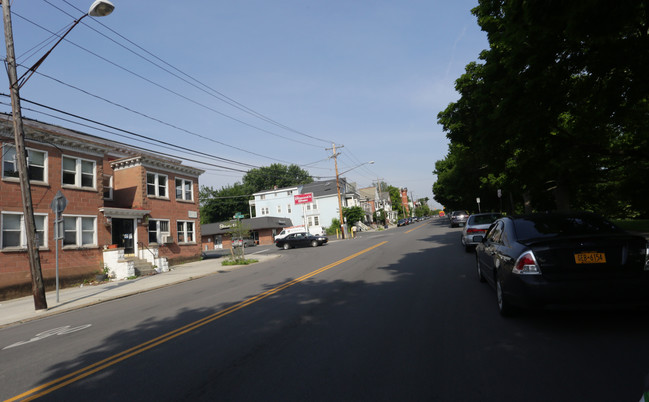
[590, 258]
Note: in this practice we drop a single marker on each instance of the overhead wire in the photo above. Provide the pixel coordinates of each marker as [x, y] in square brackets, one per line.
[215, 93]
[172, 91]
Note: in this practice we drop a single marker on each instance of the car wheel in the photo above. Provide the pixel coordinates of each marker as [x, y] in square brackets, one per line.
[478, 269]
[504, 307]
[314, 243]
[286, 246]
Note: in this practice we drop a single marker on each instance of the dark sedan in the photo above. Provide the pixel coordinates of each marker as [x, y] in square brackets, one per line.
[300, 239]
[558, 259]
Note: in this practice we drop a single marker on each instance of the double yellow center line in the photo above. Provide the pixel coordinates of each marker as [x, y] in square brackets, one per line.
[136, 350]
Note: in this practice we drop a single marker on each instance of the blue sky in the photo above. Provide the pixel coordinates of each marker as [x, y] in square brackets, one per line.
[258, 82]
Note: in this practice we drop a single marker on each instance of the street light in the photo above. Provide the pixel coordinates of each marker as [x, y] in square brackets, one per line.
[99, 8]
[340, 203]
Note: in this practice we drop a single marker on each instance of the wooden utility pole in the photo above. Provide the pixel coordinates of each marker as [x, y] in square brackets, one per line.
[340, 203]
[38, 289]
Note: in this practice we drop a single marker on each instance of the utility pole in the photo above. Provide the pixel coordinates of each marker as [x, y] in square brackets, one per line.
[38, 289]
[340, 203]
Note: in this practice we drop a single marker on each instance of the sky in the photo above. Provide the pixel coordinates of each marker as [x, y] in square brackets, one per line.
[229, 86]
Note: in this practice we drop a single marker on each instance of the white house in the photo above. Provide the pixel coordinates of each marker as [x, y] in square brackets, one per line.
[280, 202]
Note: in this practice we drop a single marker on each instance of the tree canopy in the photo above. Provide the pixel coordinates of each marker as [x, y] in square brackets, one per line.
[554, 113]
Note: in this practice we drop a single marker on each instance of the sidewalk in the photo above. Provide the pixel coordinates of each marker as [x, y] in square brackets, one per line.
[22, 309]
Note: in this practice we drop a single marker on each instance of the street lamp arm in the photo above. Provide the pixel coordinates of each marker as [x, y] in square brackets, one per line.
[99, 8]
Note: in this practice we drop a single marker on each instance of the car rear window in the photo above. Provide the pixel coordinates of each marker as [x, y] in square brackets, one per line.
[530, 227]
[483, 219]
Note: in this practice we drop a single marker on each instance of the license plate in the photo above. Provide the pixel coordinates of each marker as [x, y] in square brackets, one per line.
[590, 258]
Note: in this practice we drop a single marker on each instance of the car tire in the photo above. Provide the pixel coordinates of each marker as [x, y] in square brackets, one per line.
[505, 308]
[481, 277]
[286, 246]
[314, 243]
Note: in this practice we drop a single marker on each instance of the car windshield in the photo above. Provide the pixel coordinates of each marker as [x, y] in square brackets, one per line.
[551, 225]
[483, 219]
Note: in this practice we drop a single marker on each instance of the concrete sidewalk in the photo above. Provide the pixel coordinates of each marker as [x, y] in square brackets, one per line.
[22, 309]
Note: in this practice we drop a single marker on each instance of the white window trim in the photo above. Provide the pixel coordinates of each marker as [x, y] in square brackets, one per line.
[185, 232]
[110, 187]
[79, 231]
[15, 162]
[160, 233]
[157, 185]
[182, 189]
[78, 174]
[23, 237]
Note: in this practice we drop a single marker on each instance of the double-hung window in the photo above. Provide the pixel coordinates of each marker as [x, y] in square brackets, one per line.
[156, 185]
[80, 231]
[184, 190]
[157, 229]
[36, 163]
[108, 187]
[13, 230]
[78, 172]
[185, 231]
[288, 208]
[279, 209]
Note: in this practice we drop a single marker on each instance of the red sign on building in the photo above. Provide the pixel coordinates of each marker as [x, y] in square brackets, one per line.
[303, 198]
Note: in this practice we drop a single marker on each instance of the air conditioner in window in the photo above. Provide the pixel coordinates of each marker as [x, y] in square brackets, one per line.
[167, 239]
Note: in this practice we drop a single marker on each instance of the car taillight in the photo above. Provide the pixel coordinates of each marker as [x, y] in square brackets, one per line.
[469, 231]
[646, 257]
[526, 265]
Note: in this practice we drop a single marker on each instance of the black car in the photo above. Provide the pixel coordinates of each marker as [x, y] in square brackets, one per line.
[300, 239]
[562, 258]
[402, 222]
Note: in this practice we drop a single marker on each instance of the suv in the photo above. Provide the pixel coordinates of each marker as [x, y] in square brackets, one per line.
[458, 218]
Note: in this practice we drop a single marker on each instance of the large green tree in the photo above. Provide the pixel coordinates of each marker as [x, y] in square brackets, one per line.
[276, 175]
[554, 115]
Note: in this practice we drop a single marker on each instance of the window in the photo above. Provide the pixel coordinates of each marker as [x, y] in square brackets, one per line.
[312, 206]
[314, 220]
[289, 192]
[13, 230]
[156, 185]
[265, 211]
[279, 209]
[108, 187]
[78, 172]
[36, 163]
[157, 229]
[185, 231]
[184, 190]
[288, 208]
[79, 231]
[262, 197]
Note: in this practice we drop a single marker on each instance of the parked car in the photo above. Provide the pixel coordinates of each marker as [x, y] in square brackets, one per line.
[477, 224]
[458, 218]
[562, 258]
[402, 222]
[243, 242]
[301, 239]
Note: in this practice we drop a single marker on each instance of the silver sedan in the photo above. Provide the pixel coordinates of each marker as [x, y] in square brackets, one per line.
[477, 225]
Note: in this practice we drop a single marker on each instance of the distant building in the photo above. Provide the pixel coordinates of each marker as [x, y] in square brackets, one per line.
[263, 230]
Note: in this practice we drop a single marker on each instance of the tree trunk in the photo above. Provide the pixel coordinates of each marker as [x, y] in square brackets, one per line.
[527, 202]
[562, 196]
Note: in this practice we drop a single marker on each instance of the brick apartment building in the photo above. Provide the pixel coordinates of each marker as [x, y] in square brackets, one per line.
[127, 209]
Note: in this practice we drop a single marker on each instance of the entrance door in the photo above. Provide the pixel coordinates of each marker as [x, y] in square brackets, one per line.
[123, 234]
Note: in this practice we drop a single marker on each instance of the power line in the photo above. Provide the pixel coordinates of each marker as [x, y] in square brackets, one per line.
[197, 103]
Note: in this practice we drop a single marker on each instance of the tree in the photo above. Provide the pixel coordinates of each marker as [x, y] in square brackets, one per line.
[555, 113]
[353, 214]
[238, 231]
[221, 205]
[276, 175]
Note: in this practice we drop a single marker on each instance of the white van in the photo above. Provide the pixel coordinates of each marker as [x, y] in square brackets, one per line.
[314, 230]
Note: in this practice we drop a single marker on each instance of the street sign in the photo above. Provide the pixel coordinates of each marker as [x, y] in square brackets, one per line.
[59, 203]
[303, 198]
[238, 215]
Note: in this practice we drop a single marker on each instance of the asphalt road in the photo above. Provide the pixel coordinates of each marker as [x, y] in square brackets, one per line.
[393, 315]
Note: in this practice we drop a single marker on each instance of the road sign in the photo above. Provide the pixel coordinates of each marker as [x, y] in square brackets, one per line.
[303, 198]
[238, 215]
[59, 203]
